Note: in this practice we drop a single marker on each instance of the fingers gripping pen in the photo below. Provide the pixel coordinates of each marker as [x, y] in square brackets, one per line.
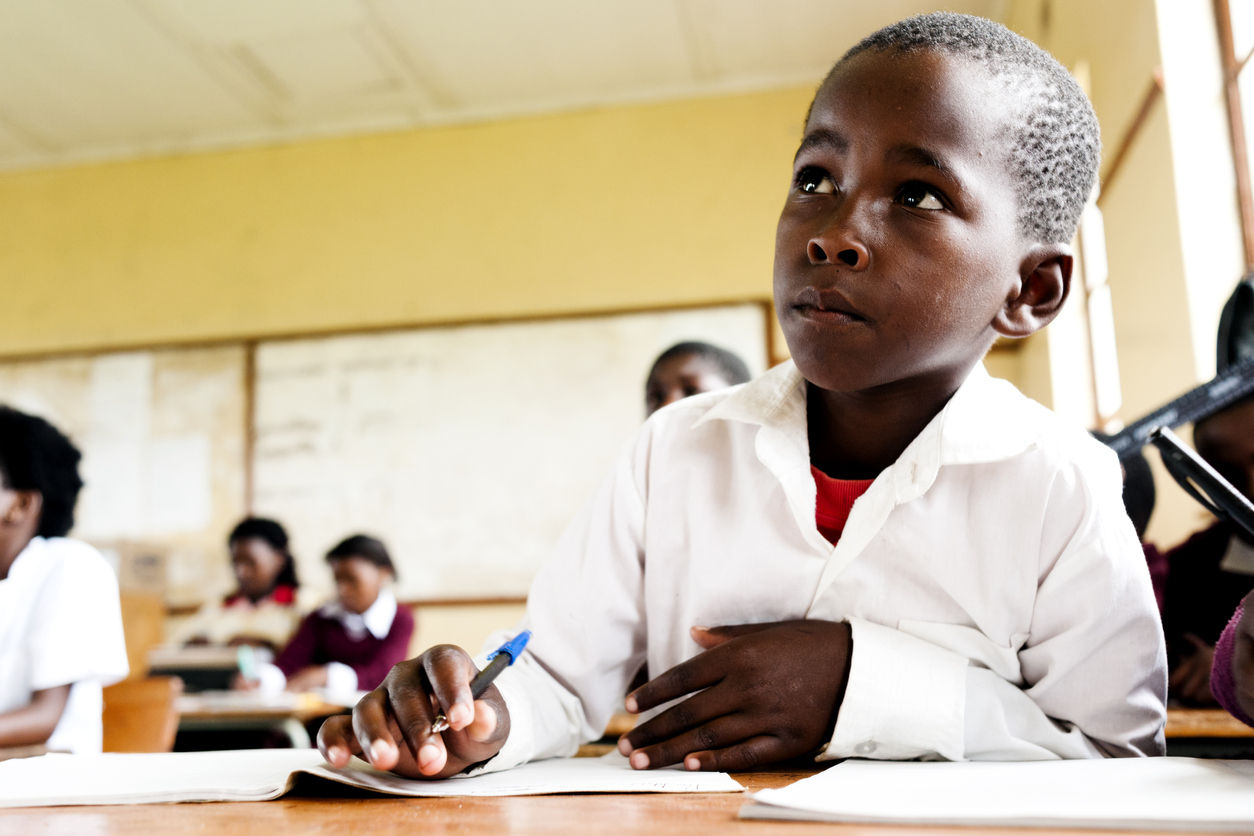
[498, 660]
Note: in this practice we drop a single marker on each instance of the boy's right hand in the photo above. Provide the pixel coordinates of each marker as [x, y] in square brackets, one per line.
[391, 726]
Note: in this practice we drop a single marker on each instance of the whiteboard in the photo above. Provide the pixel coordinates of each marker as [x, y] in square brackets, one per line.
[162, 437]
[466, 449]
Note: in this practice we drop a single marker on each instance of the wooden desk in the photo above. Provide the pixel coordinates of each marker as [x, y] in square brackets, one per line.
[236, 710]
[305, 811]
[1205, 722]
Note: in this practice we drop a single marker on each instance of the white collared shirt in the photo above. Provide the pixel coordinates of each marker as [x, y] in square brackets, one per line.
[342, 679]
[61, 624]
[1000, 603]
[377, 619]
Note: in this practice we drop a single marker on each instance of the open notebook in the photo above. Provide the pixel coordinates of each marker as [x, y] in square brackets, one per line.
[263, 774]
[1123, 793]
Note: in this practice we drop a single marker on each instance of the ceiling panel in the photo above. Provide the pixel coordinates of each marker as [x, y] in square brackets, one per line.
[486, 53]
[795, 39]
[97, 74]
[93, 79]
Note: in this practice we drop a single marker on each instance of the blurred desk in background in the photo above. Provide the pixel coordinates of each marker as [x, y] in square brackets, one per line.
[1208, 733]
[252, 711]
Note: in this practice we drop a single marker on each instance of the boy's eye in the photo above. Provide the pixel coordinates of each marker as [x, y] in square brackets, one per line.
[811, 180]
[919, 196]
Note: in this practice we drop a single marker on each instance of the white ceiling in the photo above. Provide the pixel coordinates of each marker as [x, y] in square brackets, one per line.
[104, 79]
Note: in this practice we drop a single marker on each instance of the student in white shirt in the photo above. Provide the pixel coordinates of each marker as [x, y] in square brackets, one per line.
[60, 621]
[690, 368]
[985, 598]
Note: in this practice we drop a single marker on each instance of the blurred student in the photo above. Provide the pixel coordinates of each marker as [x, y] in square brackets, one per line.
[1212, 571]
[691, 368]
[350, 644]
[60, 620]
[263, 610]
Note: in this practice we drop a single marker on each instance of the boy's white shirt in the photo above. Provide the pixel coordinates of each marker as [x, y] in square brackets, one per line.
[1000, 603]
[61, 624]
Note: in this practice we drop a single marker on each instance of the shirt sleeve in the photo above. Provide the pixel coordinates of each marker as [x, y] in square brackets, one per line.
[373, 667]
[1223, 682]
[1088, 681]
[77, 633]
[299, 653]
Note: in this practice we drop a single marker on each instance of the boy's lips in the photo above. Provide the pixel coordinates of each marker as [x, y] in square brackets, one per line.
[826, 304]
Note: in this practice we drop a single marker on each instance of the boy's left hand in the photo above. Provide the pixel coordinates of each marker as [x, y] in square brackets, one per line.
[768, 692]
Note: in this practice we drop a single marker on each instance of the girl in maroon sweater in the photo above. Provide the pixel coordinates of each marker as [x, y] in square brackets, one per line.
[351, 643]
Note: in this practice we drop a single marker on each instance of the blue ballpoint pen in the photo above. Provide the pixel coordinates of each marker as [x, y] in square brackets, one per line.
[500, 659]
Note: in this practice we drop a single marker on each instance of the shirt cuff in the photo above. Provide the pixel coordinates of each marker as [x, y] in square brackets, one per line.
[520, 743]
[271, 679]
[341, 679]
[905, 698]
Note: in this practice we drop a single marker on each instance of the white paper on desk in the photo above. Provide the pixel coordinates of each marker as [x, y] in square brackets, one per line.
[1119, 793]
[263, 774]
[610, 773]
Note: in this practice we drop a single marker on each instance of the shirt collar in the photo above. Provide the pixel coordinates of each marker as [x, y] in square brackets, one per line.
[983, 422]
[377, 620]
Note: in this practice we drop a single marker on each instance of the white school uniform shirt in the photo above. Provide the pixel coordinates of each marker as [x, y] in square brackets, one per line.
[61, 624]
[1000, 604]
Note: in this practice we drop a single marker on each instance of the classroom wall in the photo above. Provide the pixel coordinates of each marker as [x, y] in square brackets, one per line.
[629, 207]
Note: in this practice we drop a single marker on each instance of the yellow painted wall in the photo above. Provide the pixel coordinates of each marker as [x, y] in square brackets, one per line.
[630, 207]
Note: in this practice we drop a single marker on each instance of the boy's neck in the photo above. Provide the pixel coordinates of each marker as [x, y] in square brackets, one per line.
[855, 435]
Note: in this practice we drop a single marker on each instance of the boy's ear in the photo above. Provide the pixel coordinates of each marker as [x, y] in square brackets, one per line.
[1044, 283]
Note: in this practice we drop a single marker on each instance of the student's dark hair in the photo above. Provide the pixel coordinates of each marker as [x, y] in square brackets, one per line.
[732, 367]
[1055, 142]
[36, 456]
[367, 548]
[274, 536]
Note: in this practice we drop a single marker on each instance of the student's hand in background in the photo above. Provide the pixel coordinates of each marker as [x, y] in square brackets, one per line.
[391, 726]
[768, 692]
[307, 679]
[239, 683]
[1190, 681]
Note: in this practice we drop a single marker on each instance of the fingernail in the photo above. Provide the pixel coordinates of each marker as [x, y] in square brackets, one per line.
[639, 760]
[427, 754]
[630, 705]
[458, 714]
[692, 764]
[378, 749]
[335, 753]
[624, 746]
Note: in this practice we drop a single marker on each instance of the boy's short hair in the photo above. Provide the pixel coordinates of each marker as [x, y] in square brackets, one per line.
[367, 548]
[36, 456]
[732, 368]
[1055, 141]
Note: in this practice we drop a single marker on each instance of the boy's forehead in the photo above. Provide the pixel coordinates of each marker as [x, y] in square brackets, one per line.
[942, 98]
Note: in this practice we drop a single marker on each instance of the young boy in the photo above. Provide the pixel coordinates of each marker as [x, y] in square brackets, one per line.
[60, 618]
[687, 369]
[986, 597]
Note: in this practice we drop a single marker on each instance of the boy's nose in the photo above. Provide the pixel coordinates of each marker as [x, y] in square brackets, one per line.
[850, 253]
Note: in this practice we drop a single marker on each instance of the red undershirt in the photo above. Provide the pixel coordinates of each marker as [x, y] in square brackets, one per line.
[834, 502]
